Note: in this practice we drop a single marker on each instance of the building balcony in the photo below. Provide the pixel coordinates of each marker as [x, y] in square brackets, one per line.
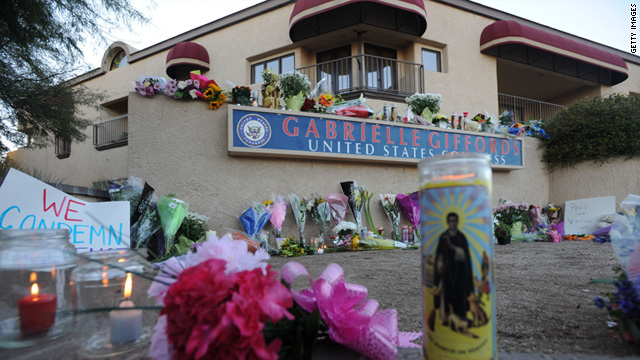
[375, 77]
[111, 133]
[525, 109]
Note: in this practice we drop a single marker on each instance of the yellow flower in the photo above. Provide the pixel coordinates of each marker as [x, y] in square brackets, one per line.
[355, 241]
[267, 202]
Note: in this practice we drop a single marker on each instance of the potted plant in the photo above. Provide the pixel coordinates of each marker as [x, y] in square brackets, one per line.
[295, 86]
[424, 105]
[270, 89]
[502, 232]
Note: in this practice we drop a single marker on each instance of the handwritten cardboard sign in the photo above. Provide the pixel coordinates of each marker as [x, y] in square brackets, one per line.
[582, 216]
[28, 203]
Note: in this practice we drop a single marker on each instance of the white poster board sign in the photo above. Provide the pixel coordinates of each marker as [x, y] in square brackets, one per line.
[582, 216]
[28, 203]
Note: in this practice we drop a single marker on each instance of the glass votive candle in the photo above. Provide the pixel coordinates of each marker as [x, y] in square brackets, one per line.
[35, 293]
[111, 287]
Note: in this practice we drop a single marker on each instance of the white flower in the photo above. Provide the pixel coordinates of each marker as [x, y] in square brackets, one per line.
[197, 217]
[182, 84]
[193, 94]
[310, 205]
[344, 225]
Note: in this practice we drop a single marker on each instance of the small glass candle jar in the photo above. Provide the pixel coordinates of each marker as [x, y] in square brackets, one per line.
[35, 293]
[111, 288]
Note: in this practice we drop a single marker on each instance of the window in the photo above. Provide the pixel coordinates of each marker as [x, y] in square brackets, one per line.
[281, 65]
[380, 67]
[63, 148]
[431, 60]
[119, 60]
[335, 66]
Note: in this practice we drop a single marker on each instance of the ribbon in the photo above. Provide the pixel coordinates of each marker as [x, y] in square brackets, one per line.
[353, 321]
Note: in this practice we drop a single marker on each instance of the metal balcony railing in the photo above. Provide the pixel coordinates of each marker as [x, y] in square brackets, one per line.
[372, 74]
[111, 133]
[526, 109]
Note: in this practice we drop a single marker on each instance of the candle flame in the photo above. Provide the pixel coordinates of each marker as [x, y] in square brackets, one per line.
[105, 281]
[34, 289]
[127, 286]
[33, 277]
[53, 272]
[122, 260]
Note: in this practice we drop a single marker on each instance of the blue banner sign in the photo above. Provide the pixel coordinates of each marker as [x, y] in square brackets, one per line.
[267, 132]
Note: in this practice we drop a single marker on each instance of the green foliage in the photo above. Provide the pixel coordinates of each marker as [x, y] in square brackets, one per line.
[40, 49]
[594, 129]
[294, 82]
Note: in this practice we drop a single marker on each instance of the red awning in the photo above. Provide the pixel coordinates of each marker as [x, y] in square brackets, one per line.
[315, 17]
[514, 41]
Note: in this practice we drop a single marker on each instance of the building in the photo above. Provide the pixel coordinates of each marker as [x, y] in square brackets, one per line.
[478, 58]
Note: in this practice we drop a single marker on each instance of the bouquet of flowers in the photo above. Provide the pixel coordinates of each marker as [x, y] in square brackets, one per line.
[270, 89]
[358, 204]
[367, 195]
[241, 95]
[149, 86]
[346, 234]
[424, 105]
[214, 95]
[183, 89]
[278, 213]
[299, 208]
[193, 230]
[507, 118]
[337, 207]
[254, 219]
[172, 212]
[511, 213]
[291, 248]
[411, 210]
[221, 301]
[392, 210]
[320, 213]
[552, 212]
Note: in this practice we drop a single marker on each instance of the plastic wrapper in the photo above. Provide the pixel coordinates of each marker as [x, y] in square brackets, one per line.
[147, 225]
[253, 220]
[358, 204]
[278, 213]
[172, 212]
[411, 210]
[299, 209]
[625, 237]
[127, 190]
[337, 207]
[321, 214]
[354, 108]
[392, 210]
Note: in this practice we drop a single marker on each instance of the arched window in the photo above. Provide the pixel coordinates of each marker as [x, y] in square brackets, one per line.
[119, 60]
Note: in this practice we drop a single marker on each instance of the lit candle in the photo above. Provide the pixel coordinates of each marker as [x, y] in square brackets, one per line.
[126, 325]
[320, 251]
[211, 234]
[37, 311]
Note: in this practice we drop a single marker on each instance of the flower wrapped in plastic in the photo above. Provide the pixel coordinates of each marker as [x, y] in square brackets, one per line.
[323, 96]
[424, 105]
[241, 95]
[411, 210]
[337, 207]
[358, 205]
[321, 214]
[278, 213]
[392, 210]
[270, 89]
[254, 219]
[149, 86]
[347, 234]
[299, 209]
[366, 196]
[172, 212]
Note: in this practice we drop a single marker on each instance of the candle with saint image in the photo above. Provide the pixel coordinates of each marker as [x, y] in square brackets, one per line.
[37, 311]
[126, 325]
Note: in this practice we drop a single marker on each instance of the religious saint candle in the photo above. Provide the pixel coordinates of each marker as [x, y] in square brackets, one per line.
[126, 325]
[37, 311]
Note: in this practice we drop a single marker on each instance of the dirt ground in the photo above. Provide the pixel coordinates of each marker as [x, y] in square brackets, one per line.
[543, 302]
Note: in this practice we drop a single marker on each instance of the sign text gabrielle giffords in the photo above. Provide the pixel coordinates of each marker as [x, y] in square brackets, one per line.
[266, 132]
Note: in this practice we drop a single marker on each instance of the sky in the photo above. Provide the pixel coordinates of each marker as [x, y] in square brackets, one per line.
[603, 21]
